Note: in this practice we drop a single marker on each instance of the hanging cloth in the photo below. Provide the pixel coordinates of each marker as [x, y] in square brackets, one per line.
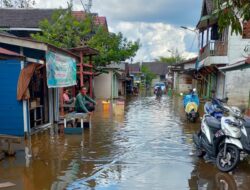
[24, 80]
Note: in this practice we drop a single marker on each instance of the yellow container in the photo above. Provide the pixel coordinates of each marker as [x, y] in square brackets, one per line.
[105, 105]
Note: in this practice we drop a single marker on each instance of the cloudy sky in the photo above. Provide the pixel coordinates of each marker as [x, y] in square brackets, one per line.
[155, 22]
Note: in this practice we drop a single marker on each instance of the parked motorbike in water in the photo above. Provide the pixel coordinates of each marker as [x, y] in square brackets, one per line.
[229, 154]
[213, 107]
[224, 140]
[191, 104]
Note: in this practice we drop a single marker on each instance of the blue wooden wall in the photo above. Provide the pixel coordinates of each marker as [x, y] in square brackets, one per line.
[11, 110]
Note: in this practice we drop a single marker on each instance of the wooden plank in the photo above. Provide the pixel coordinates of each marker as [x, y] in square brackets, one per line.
[10, 137]
[86, 65]
[6, 184]
[75, 130]
[85, 73]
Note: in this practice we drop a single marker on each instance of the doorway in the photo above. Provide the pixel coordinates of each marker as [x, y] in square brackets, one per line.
[39, 98]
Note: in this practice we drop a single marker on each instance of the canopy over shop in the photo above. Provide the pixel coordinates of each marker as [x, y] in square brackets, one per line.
[31, 75]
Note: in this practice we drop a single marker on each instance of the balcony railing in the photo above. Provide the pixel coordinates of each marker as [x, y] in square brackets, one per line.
[215, 48]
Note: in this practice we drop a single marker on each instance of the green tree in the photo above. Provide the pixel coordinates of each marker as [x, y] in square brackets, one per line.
[112, 47]
[232, 13]
[173, 59]
[18, 3]
[149, 76]
[65, 31]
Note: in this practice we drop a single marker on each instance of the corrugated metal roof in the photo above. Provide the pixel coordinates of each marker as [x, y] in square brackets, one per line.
[8, 52]
[23, 18]
[236, 64]
[30, 18]
[157, 68]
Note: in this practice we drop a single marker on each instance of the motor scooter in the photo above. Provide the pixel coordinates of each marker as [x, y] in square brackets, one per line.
[221, 140]
[191, 104]
[213, 107]
[158, 92]
[238, 143]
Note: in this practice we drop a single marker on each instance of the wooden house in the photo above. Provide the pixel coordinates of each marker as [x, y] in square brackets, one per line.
[32, 74]
[217, 50]
[184, 75]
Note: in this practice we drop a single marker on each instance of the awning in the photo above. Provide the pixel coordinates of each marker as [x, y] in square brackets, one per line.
[236, 65]
[212, 61]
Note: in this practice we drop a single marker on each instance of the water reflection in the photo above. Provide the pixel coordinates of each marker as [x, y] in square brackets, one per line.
[147, 147]
[207, 176]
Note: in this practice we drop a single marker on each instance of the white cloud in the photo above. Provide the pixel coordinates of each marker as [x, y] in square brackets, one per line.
[155, 23]
[51, 3]
[157, 39]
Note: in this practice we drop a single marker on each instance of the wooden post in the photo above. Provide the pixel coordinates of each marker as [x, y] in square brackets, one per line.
[61, 102]
[91, 78]
[248, 107]
[81, 69]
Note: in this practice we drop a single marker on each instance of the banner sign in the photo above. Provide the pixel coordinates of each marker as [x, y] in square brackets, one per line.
[61, 70]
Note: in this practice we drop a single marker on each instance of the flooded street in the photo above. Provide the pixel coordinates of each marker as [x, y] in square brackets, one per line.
[149, 147]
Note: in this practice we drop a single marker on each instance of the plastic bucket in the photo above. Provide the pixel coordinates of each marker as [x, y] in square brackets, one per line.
[105, 105]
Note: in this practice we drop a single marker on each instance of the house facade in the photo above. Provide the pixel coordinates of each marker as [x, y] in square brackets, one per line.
[159, 69]
[216, 51]
[112, 83]
[30, 81]
[184, 75]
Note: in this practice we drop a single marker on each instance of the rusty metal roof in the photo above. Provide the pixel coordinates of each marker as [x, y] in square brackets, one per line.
[9, 53]
[86, 50]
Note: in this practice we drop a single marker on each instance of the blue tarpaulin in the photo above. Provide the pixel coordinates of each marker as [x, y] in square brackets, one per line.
[191, 98]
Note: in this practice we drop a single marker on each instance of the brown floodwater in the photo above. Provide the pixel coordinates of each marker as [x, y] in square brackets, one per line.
[147, 147]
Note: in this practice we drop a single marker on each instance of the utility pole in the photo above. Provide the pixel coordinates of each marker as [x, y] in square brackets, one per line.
[87, 6]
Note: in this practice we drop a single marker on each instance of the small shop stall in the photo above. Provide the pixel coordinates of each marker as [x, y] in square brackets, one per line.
[32, 74]
[85, 75]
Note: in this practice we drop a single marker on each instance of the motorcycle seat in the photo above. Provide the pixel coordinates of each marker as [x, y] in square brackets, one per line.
[247, 122]
[213, 123]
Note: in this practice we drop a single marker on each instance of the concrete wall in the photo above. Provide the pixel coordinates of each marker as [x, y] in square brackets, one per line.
[236, 46]
[220, 85]
[237, 87]
[102, 86]
[185, 82]
[115, 86]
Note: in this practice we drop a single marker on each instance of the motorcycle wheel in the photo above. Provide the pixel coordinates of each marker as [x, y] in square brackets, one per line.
[228, 162]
